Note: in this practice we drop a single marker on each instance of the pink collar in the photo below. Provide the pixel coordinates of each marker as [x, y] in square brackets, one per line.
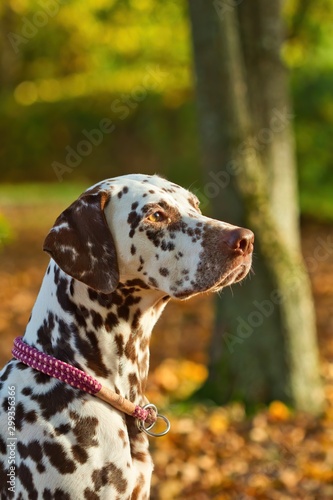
[146, 416]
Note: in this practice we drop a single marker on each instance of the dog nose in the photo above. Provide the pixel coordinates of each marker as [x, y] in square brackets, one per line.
[240, 239]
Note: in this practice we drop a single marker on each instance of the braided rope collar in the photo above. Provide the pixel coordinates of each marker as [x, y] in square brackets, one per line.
[145, 416]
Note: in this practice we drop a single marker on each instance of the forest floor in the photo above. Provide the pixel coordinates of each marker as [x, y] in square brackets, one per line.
[216, 452]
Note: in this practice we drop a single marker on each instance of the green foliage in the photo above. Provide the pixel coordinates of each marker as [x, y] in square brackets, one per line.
[39, 193]
[85, 48]
[5, 231]
[314, 132]
[309, 53]
[69, 65]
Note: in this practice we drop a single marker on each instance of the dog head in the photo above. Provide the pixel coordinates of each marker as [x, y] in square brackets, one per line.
[145, 227]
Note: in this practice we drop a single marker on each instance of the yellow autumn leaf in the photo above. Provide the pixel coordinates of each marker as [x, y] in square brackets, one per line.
[218, 421]
[279, 411]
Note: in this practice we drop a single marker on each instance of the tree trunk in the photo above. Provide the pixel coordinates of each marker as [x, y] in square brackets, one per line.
[262, 35]
[264, 341]
[9, 61]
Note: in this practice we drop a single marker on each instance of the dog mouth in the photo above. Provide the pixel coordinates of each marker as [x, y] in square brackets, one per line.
[230, 277]
[234, 276]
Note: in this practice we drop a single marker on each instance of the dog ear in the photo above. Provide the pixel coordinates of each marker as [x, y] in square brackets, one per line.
[81, 243]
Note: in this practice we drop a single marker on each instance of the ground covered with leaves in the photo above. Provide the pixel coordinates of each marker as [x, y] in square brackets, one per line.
[212, 452]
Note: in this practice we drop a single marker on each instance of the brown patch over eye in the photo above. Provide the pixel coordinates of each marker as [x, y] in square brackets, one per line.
[158, 216]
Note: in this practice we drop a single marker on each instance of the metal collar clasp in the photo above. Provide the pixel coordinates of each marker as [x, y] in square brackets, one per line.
[143, 427]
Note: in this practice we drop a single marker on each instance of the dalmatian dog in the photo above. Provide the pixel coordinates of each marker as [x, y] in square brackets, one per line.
[118, 254]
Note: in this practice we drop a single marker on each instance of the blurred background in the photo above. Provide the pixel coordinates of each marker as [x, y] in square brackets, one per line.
[97, 88]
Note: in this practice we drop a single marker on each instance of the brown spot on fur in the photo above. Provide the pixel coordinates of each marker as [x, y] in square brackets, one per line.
[109, 474]
[111, 322]
[3, 447]
[58, 457]
[136, 318]
[130, 349]
[22, 416]
[33, 450]
[88, 493]
[26, 478]
[62, 429]
[55, 400]
[122, 435]
[6, 373]
[164, 271]
[85, 430]
[89, 349]
[44, 333]
[80, 454]
[152, 281]
[119, 340]
[58, 494]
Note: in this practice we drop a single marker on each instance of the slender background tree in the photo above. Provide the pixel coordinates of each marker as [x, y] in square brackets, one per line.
[264, 344]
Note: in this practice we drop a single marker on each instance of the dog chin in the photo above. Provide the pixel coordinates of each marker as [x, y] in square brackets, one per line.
[234, 276]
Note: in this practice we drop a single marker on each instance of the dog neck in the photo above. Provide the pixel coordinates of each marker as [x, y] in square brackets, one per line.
[105, 335]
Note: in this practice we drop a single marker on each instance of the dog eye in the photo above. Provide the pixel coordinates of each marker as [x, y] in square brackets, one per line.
[156, 217]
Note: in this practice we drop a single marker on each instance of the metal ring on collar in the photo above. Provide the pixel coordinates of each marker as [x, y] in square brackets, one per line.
[147, 430]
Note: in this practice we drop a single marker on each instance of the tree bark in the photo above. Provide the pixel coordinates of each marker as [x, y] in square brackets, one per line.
[262, 35]
[9, 61]
[264, 341]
